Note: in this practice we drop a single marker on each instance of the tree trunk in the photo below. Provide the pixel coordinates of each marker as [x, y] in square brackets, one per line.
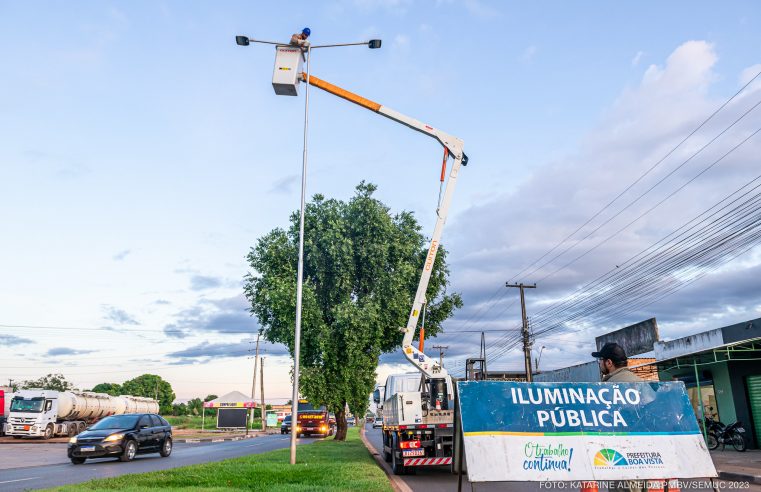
[341, 425]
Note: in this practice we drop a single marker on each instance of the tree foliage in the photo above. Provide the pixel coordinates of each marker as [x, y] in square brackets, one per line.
[54, 382]
[362, 266]
[112, 389]
[151, 386]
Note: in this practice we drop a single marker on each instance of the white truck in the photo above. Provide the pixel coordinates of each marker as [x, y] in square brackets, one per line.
[46, 413]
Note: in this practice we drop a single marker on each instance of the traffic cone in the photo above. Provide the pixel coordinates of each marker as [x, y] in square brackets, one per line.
[589, 486]
[656, 485]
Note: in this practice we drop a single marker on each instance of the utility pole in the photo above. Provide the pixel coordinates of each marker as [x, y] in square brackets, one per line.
[441, 348]
[10, 383]
[253, 383]
[526, 341]
[264, 407]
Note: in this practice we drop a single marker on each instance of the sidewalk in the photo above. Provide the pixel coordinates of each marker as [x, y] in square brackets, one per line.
[741, 467]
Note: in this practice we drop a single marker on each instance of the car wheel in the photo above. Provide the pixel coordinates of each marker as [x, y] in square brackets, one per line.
[48, 432]
[78, 461]
[166, 447]
[130, 450]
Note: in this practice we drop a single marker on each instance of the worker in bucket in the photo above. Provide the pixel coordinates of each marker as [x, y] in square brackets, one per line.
[613, 361]
[300, 39]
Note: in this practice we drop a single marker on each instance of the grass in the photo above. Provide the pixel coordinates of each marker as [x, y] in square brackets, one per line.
[322, 466]
[194, 422]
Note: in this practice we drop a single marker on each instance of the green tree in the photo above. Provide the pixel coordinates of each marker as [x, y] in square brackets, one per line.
[54, 382]
[195, 406]
[151, 386]
[112, 389]
[179, 409]
[362, 266]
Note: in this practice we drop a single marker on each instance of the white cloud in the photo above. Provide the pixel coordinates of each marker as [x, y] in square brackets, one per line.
[637, 58]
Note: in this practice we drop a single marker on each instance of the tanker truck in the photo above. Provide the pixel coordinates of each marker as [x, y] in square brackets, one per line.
[46, 413]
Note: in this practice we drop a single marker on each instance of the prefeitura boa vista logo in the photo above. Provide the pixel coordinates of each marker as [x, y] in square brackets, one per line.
[609, 458]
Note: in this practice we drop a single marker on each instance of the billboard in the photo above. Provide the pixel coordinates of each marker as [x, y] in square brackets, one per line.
[232, 418]
[580, 431]
[636, 339]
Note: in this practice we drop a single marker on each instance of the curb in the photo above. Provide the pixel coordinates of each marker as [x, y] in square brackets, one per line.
[740, 477]
[396, 483]
[213, 439]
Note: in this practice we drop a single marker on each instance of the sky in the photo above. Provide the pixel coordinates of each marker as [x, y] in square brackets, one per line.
[142, 153]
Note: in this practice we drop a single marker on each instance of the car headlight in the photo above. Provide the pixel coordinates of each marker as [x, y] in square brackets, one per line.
[114, 437]
[73, 440]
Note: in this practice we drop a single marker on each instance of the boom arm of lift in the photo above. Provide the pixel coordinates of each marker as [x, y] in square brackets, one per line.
[454, 147]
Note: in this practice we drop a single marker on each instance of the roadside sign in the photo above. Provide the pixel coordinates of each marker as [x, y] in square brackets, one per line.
[580, 431]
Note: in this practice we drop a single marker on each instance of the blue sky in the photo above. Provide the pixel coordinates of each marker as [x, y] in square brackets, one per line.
[142, 153]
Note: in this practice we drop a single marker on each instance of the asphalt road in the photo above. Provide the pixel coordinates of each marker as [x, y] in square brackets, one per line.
[50, 475]
[440, 479]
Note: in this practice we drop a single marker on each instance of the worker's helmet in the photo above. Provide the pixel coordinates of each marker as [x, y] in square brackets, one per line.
[306, 31]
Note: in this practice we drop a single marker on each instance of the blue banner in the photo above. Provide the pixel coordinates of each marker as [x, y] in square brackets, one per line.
[646, 408]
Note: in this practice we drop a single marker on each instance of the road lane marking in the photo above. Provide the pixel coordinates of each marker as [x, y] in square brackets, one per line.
[20, 480]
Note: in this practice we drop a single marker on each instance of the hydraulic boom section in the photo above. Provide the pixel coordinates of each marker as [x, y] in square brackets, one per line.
[453, 146]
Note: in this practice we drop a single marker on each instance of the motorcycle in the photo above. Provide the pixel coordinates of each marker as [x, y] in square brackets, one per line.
[718, 433]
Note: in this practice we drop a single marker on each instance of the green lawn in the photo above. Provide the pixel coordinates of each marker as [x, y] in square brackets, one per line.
[194, 422]
[322, 466]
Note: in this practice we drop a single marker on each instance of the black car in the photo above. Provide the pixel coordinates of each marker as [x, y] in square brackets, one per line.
[123, 436]
[285, 427]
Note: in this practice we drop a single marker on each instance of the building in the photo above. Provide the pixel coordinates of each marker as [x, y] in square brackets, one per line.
[721, 369]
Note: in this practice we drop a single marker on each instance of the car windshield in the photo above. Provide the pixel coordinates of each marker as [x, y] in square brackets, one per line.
[116, 422]
[34, 405]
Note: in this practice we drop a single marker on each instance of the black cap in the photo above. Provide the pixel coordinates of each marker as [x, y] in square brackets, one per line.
[612, 351]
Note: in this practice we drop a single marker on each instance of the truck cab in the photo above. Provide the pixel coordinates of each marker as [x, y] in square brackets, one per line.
[313, 421]
[33, 413]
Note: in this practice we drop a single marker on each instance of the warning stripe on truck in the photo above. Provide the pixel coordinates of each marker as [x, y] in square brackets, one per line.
[427, 461]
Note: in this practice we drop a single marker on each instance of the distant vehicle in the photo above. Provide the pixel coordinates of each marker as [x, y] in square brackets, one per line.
[5, 406]
[285, 427]
[378, 422]
[124, 436]
[46, 413]
[351, 420]
[369, 418]
[313, 421]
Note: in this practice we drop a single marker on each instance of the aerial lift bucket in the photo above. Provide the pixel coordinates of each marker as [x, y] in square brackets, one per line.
[289, 62]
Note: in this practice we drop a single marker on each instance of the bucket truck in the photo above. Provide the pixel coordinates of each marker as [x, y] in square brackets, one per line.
[418, 418]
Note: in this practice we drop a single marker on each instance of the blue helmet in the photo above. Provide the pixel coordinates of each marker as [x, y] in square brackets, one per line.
[306, 31]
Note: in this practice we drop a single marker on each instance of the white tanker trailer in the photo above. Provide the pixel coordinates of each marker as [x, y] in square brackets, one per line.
[45, 413]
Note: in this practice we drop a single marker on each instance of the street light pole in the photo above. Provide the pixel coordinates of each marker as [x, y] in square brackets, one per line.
[245, 41]
[300, 279]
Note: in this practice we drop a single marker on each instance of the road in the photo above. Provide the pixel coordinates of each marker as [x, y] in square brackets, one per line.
[435, 479]
[63, 472]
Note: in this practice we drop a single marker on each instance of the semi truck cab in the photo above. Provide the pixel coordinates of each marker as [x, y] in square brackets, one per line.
[33, 414]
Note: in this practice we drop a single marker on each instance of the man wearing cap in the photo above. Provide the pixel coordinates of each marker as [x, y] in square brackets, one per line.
[612, 359]
[300, 39]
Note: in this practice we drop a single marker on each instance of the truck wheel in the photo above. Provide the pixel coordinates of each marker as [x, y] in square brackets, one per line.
[130, 450]
[71, 430]
[81, 427]
[386, 444]
[48, 432]
[396, 462]
[78, 461]
[166, 447]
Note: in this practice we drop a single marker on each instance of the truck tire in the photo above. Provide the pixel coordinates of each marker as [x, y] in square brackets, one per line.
[81, 426]
[386, 444]
[48, 432]
[396, 462]
[71, 429]
[130, 450]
